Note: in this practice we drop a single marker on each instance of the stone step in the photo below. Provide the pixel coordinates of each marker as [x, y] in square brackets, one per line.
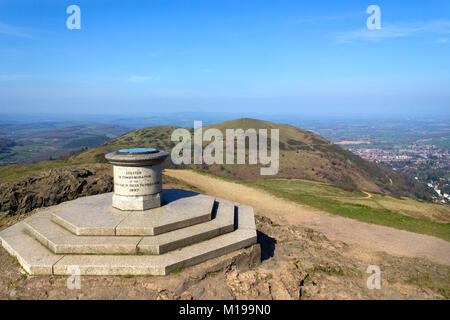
[94, 215]
[221, 224]
[60, 241]
[37, 259]
[32, 256]
[156, 264]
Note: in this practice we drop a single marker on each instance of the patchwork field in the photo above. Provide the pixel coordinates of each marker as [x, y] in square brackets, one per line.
[30, 143]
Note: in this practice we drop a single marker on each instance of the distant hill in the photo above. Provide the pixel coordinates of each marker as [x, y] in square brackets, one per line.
[303, 154]
[33, 142]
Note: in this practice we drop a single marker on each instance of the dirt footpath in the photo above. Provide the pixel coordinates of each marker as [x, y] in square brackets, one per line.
[371, 236]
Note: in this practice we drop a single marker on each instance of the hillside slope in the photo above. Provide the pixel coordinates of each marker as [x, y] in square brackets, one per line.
[303, 154]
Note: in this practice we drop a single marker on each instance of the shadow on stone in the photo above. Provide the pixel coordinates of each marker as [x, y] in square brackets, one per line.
[170, 195]
[236, 217]
[267, 245]
[214, 210]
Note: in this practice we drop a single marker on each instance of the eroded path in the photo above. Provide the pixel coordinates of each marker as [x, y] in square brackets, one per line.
[371, 236]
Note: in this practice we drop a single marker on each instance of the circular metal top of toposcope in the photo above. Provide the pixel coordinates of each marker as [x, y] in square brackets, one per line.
[135, 157]
[137, 151]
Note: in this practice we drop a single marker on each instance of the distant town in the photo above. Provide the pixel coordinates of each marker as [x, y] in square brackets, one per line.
[417, 148]
[419, 160]
[416, 156]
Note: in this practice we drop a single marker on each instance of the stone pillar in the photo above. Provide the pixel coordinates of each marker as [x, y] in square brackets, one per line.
[137, 178]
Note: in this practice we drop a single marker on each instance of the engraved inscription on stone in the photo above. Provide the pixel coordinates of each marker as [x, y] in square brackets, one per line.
[137, 181]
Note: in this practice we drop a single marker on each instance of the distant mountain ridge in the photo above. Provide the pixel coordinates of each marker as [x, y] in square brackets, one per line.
[303, 154]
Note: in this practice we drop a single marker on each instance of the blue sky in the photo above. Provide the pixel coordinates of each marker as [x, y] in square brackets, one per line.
[303, 57]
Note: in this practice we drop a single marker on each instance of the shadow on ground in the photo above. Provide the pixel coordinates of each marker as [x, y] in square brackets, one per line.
[267, 244]
[170, 195]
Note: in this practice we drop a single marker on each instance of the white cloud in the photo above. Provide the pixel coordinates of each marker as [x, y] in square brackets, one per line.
[12, 31]
[442, 40]
[137, 79]
[440, 27]
[12, 77]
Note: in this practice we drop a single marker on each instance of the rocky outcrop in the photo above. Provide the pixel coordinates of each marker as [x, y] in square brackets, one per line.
[53, 187]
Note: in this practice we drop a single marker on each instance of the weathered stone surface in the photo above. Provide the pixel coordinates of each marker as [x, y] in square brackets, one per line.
[114, 265]
[95, 215]
[32, 256]
[157, 264]
[246, 218]
[60, 241]
[89, 216]
[174, 215]
[137, 203]
[223, 223]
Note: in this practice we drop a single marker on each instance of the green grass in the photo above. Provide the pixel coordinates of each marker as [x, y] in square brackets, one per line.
[339, 201]
[21, 152]
[359, 212]
[330, 270]
[14, 283]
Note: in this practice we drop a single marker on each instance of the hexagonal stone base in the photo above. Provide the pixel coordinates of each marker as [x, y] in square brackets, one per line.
[61, 241]
[38, 260]
[43, 247]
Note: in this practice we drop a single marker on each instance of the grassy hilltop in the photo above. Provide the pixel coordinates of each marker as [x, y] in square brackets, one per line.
[303, 155]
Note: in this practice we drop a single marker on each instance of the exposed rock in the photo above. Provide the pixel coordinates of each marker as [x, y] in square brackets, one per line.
[53, 187]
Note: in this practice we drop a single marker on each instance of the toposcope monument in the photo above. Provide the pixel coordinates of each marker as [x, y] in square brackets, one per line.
[139, 229]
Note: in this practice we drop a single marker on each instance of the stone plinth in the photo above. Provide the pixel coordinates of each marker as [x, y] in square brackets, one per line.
[188, 229]
[136, 235]
[137, 178]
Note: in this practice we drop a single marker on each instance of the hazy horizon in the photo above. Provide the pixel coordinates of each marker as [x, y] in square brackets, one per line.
[186, 119]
